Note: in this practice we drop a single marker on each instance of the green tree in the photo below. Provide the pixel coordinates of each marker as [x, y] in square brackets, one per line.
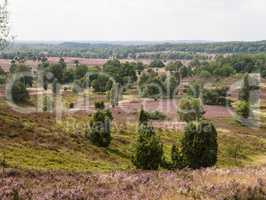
[23, 70]
[215, 96]
[58, 71]
[177, 158]
[245, 89]
[205, 74]
[174, 66]
[26, 71]
[144, 78]
[101, 83]
[171, 83]
[2, 79]
[195, 63]
[152, 90]
[69, 76]
[194, 89]
[225, 70]
[99, 105]
[199, 144]
[242, 108]
[19, 92]
[157, 64]
[113, 68]
[129, 72]
[81, 71]
[139, 66]
[185, 71]
[148, 149]
[143, 117]
[99, 132]
[153, 85]
[190, 109]
[121, 73]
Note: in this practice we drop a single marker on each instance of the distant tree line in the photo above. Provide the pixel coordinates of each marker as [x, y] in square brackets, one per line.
[186, 51]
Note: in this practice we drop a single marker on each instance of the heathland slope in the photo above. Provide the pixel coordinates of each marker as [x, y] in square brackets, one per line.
[37, 142]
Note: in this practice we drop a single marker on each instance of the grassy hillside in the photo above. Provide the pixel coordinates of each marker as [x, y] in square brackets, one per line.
[37, 142]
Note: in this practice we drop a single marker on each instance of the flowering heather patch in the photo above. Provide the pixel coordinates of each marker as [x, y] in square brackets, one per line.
[224, 184]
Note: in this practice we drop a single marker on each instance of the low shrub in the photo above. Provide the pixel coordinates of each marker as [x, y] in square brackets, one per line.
[215, 96]
[99, 105]
[190, 109]
[19, 92]
[242, 108]
[99, 132]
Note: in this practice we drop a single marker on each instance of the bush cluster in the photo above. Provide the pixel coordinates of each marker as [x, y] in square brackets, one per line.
[190, 109]
[215, 96]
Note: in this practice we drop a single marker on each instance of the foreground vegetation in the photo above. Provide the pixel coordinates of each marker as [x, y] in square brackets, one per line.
[37, 142]
[211, 184]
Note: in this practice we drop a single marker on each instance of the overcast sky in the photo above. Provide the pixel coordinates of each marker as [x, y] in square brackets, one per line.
[138, 19]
